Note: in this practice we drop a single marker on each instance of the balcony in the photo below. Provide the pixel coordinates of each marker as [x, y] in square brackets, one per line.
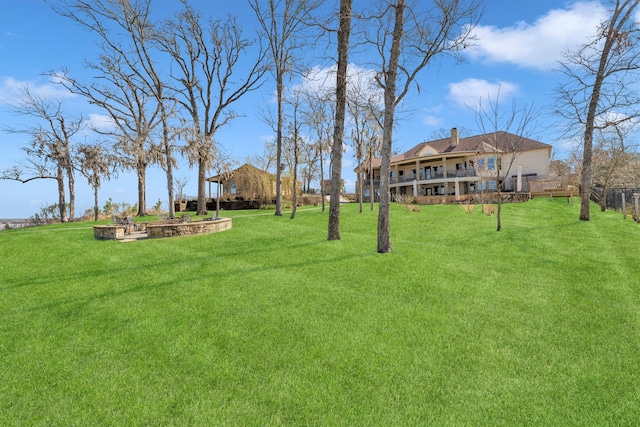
[463, 173]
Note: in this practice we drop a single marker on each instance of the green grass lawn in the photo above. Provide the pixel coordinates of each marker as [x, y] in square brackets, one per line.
[271, 324]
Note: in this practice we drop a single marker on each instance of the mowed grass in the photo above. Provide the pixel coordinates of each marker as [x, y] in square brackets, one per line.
[271, 324]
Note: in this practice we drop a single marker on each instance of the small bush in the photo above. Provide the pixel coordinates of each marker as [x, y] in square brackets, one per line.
[403, 199]
[468, 207]
[489, 210]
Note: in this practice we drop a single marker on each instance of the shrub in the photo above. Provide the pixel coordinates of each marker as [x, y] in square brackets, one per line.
[468, 207]
[488, 210]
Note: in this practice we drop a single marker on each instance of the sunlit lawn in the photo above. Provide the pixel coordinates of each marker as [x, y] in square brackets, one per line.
[271, 324]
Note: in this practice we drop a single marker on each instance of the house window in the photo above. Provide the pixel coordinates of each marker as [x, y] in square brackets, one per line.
[442, 191]
[492, 184]
[427, 170]
[480, 163]
[491, 163]
[366, 192]
[232, 186]
[458, 166]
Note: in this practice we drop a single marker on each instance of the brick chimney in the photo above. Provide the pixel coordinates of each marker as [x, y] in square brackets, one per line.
[454, 137]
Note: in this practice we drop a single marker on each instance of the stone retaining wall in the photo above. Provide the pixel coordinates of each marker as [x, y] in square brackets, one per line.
[108, 232]
[161, 229]
[187, 228]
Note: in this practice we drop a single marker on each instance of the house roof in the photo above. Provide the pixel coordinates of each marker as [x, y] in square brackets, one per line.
[245, 167]
[503, 141]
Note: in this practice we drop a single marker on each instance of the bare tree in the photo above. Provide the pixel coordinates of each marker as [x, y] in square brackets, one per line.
[223, 168]
[49, 153]
[344, 34]
[505, 136]
[319, 120]
[180, 184]
[407, 39]
[293, 142]
[211, 76]
[364, 110]
[122, 86]
[266, 160]
[612, 153]
[95, 164]
[599, 92]
[282, 24]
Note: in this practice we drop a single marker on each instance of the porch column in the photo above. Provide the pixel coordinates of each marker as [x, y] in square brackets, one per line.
[444, 167]
[418, 169]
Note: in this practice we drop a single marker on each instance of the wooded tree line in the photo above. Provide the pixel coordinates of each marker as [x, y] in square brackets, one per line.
[169, 85]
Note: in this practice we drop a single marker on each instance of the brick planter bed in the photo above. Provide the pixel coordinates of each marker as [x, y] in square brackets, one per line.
[161, 229]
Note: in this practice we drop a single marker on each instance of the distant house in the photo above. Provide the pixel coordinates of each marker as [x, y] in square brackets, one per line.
[246, 182]
[250, 183]
[462, 165]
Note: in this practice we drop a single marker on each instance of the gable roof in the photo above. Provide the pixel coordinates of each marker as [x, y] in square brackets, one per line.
[246, 167]
[484, 143]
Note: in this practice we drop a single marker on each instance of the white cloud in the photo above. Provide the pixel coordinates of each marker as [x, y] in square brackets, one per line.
[539, 45]
[12, 90]
[471, 91]
[431, 118]
[432, 121]
[100, 121]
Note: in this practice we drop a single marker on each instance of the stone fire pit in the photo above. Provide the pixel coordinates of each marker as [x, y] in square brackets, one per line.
[154, 230]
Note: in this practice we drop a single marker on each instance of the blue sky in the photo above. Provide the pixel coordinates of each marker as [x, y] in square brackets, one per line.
[519, 44]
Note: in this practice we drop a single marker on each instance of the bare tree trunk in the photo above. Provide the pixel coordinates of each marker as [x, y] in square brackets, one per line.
[585, 180]
[72, 193]
[68, 166]
[202, 176]
[294, 203]
[279, 90]
[142, 196]
[338, 130]
[218, 201]
[499, 220]
[384, 231]
[169, 174]
[372, 196]
[61, 199]
[322, 178]
[360, 186]
[96, 209]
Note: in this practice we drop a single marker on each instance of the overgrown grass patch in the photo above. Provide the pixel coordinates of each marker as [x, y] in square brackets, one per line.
[271, 324]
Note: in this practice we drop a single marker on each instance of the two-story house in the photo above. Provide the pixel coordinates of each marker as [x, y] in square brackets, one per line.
[456, 165]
